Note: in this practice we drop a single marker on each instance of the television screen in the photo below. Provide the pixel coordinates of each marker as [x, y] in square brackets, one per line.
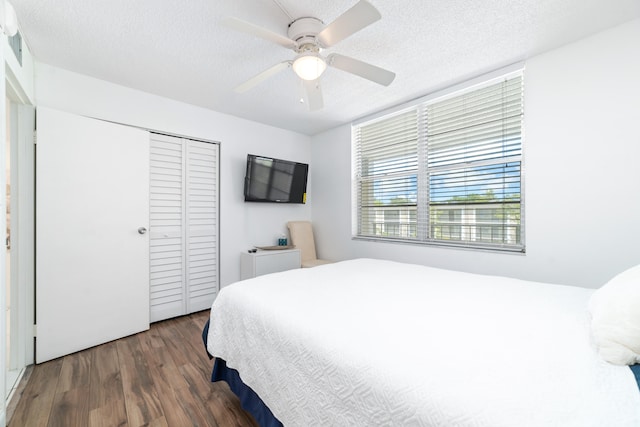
[275, 180]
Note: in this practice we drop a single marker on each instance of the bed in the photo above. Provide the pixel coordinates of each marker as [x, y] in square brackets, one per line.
[370, 342]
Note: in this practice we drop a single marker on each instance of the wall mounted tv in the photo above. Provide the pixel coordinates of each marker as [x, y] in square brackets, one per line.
[275, 180]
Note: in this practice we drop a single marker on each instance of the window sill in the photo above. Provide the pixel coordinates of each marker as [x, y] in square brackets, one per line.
[519, 250]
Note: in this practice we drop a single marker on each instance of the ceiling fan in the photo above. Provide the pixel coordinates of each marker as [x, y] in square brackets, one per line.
[307, 37]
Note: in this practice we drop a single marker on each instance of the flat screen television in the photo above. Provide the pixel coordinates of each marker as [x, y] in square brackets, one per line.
[275, 180]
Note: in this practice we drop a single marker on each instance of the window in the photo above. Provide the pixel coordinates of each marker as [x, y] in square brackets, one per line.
[446, 171]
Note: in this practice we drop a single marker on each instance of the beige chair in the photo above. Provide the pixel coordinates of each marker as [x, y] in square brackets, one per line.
[302, 238]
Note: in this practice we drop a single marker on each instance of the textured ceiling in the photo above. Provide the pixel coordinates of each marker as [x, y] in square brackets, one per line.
[180, 50]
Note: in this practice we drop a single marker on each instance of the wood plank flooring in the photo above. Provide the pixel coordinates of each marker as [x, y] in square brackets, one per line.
[160, 377]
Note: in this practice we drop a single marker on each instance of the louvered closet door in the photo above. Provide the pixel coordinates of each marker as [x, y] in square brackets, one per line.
[184, 226]
[166, 240]
[202, 224]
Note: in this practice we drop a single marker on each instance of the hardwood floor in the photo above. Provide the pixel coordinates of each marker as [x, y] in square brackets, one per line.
[160, 377]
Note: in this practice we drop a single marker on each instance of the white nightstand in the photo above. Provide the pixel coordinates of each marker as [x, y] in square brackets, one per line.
[265, 262]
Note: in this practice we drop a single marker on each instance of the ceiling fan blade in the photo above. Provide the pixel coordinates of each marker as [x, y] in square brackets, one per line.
[350, 22]
[362, 69]
[313, 94]
[247, 27]
[256, 80]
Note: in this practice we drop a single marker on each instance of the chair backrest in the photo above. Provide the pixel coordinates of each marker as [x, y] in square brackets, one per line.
[302, 238]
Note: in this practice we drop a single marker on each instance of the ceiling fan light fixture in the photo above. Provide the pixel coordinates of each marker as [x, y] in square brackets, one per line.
[309, 65]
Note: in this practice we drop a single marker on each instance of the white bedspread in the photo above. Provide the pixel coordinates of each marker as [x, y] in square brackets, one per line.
[378, 343]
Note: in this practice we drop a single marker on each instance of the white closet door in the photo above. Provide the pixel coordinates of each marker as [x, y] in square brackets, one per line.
[184, 226]
[202, 224]
[92, 264]
[167, 269]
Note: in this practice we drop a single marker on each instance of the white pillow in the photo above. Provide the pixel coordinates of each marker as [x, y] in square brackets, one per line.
[615, 318]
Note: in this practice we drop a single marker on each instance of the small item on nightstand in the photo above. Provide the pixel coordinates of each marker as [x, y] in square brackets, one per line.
[282, 241]
[252, 251]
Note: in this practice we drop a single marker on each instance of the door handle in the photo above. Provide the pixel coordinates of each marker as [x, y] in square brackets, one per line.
[142, 230]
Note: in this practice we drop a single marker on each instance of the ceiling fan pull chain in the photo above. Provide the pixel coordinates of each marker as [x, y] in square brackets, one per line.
[301, 91]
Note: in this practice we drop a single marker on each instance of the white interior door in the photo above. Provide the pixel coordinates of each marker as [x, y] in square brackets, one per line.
[92, 265]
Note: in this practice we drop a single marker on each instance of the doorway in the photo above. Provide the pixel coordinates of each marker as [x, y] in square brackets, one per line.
[19, 239]
[13, 373]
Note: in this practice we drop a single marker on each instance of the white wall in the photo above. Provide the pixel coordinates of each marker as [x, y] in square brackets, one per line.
[242, 224]
[582, 173]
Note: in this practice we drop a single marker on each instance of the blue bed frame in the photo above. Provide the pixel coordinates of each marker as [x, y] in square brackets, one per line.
[636, 372]
[252, 403]
[249, 399]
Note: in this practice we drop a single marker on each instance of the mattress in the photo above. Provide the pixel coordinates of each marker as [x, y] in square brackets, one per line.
[370, 342]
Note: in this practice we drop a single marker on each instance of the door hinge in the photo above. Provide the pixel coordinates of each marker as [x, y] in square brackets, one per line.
[35, 138]
[35, 331]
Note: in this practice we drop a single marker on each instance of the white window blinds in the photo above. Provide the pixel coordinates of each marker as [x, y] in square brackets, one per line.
[447, 171]
[387, 170]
